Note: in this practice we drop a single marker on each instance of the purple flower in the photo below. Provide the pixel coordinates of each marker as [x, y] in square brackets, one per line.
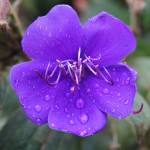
[76, 77]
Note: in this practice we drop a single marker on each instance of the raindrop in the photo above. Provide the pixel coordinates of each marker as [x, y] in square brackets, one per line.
[83, 118]
[50, 34]
[38, 121]
[23, 105]
[16, 82]
[127, 81]
[88, 90]
[80, 103]
[117, 106]
[37, 108]
[105, 91]
[71, 122]
[118, 94]
[66, 109]
[67, 94]
[52, 125]
[47, 98]
[56, 106]
[68, 116]
[119, 116]
[113, 110]
[29, 107]
[23, 74]
[83, 133]
[96, 86]
[126, 102]
[117, 80]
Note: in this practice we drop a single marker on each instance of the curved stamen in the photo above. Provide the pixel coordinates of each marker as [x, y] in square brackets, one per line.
[138, 111]
[111, 80]
[57, 80]
[46, 72]
[53, 72]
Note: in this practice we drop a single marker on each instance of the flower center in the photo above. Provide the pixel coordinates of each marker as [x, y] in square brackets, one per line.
[74, 69]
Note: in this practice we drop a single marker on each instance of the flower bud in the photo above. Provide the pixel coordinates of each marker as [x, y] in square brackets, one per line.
[4, 9]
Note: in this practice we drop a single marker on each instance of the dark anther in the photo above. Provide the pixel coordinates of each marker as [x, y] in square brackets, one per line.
[138, 111]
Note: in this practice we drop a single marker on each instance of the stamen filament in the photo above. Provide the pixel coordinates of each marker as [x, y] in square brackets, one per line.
[138, 111]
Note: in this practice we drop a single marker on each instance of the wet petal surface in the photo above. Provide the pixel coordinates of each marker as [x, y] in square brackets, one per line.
[34, 94]
[118, 99]
[109, 37]
[75, 113]
[54, 36]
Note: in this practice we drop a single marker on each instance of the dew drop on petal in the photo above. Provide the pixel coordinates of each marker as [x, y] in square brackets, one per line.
[88, 90]
[118, 94]
[29, 107]
[52, 125]
[56, 106]
[47, 98]
[105, 91]
[66, 109]
[126, 102]
[38, 121]
[119, 116]
[83, 133]
[71, 122]
[37, 108]
[79, 103]
[67, 94]
[83, 118]
[50, 34]
[113, 110]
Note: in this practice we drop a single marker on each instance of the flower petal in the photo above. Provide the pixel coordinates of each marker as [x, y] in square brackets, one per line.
[74, 113]
[109, 37]
[34, 94]
[118, 99]
[54, 36]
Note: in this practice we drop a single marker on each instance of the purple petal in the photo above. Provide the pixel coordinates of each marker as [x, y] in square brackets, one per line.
[118, 99]
[34, 94]
[109, 37]
[54, 36]
[75, 113]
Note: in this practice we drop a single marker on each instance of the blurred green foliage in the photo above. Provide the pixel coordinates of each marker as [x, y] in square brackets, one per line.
[133, 133]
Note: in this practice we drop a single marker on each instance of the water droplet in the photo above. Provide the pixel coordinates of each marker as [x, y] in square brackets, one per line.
[66, 109]
[94, 101]
[68, 116]
[96, 85]
[50, 34]
[23, 105]
[105, 91]
[126, 102]
[117, 80]
[117, 106]
[56, 106]
[118, 94]
[83, 118]
[29, 107]
[119, 116]
[88, 90]
[71, 122]
[16, 82]
[67, 94]
[38, 121]
[79, 103]
[52, 125]
[37, 108]
[127, 81]
[113, 110]
[47, 97]
[23, 74]
[83, 133]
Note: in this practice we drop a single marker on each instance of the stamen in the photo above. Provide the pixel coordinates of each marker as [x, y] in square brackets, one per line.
[111, 80]
[90, 68]
[39, 74]
[47, 69]
[79, 59]
[57, 80]
[52, 72]
[138, 111]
